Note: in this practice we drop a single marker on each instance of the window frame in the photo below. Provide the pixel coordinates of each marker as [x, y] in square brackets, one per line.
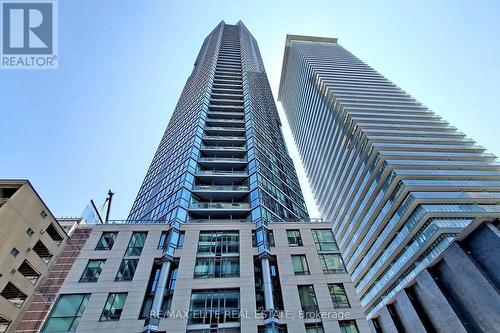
[98, 269]
[123, 264]
[294, 240]
[339, 303]
[304, 264]
[77, 314]
[326, 269]
[101, 239]
[110, 305]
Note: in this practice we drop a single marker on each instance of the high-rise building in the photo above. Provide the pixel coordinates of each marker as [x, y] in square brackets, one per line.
[219, 238]
[397, 181]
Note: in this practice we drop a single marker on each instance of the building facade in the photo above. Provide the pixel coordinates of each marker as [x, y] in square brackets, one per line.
[215, 282]
[458, 291]
[397, 181]
[218, 238]
[31, 240]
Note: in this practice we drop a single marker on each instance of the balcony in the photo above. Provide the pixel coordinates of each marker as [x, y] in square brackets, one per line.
[219, 209]
[224, 130]
[221, 176]
[223, 140]
[225, 114]
[218, 162]
[223, 151]
[221, 192]
[225, 122]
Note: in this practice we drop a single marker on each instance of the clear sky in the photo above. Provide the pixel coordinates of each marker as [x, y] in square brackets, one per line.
[95, 123]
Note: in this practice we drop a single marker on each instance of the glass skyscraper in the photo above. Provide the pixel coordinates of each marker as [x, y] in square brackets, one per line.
[396, 180]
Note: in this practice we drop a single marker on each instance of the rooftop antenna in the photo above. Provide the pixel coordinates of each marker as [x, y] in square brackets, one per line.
[108, 209]
[108, 199]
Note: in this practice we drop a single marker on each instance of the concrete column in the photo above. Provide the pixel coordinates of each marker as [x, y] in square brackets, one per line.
[466, 287]
[161, 287]
[267, 284]
[386, 323]
[406, 312]
[438, 310]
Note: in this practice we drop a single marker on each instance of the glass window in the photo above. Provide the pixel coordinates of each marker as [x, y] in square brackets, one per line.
[314, 328]
[41, 250]
[136, 243]
[300, 266]
[217, 267]
[106, 241]
[214, 306]
[114, 306]
[348, 326]
[163, 239]
[281, 328]
[92, 271]
[270, 238]
[308, 301]
[11, 293]
[218, 242]
[4, 324]
[30, 233]
[66, 314]
[127, 270]
[332, 263]
[28, 272]
[323, 238]
[294, 238]
[14, 252]
[338, 295]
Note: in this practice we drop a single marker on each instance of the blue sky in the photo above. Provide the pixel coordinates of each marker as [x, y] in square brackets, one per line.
[94, 123]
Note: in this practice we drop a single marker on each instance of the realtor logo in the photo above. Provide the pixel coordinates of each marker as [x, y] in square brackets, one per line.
[29, 34]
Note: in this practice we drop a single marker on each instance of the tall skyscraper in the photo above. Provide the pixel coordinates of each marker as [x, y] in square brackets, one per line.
[396, 180]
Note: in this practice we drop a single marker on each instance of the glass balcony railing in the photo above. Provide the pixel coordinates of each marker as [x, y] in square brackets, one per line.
[221, 187]
[223, 137]
[220, 128]
[223, 148]
[222, 159]
[220, 205]
[222, 172]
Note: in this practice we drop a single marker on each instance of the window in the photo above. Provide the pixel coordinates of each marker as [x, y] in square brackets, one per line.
[14, 252]
[43, 214]
[114, 306]
[281, 328]
[314, 328]
[106, 241]
[30, 233]
[42, 252]
[300, 266]
[136, 244]
[127, 270]
[338, 295]
[294, 238]
[348, 326]
[217, 267]
[4, 324]
[11, 293]
[332, 264]
[323, 238]
[270, 238]
[151, 288]
[92, 271]
[214, 306]
[218, 242]
[28, 272]
[164, 238]
[308, 301]
[66, 314]
[54, 234]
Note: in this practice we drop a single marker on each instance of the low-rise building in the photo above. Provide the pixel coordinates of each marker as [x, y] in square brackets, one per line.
[30, 241]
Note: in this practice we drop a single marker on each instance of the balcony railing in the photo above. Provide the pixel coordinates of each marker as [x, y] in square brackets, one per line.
[223, 137]
[228, 129]
[221, 187]
[224, 147]
[222, 172]
[220, 205]
[222, 159]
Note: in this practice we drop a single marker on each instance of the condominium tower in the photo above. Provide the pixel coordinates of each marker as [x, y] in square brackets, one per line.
[396, 180]
[219, 238]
